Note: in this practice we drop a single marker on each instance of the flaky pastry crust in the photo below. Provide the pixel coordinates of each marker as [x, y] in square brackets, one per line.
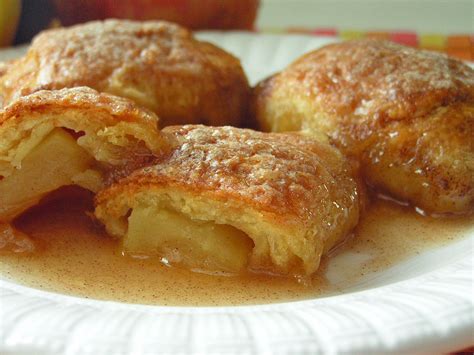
[111, 128]
[157, 64]
[407, 115]
[292, 195]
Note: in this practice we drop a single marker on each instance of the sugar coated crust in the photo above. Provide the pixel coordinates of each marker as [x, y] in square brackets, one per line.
[406, 114]
[293, 195]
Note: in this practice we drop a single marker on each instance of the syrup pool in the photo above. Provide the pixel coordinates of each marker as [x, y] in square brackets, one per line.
[74, 256]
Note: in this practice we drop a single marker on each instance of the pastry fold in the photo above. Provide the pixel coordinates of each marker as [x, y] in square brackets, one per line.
[157, 64]
[72, 136]
[406, 115]
[228, 199]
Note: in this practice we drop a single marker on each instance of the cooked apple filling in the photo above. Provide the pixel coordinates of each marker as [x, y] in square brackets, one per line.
[194, 244]
[55, 162]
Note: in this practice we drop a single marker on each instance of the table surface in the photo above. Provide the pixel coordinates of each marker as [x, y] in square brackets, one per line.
[441, 25]
[425, 16]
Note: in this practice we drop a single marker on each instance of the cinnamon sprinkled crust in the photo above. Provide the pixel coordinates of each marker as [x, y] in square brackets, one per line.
[292, 195]
[407, 115]
[157, 64]
[377, 79]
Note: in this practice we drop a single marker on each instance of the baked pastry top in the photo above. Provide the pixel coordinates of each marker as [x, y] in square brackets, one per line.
[71, 136]
[285, 199]
[157, 64]
[407, 115]
[3, 68]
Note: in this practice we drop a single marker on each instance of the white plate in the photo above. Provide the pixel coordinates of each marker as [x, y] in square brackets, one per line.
[424, 304]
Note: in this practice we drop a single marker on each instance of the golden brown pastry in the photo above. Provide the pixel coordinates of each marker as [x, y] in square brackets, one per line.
[407, 115]
[3, 68]
[227, 199]
[73, 136]
[157, 64]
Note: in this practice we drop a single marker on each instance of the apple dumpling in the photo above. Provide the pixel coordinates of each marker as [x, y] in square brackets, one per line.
[228, 199]
[159, 65]
[406, 115]
[52, 139]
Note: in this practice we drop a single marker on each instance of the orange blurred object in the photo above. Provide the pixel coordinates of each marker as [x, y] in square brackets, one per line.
[71, 12]
[194, 14]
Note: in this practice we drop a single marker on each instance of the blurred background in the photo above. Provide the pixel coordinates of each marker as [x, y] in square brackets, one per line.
[443, 25]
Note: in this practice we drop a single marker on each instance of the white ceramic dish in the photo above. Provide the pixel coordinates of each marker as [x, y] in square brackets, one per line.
[424, 304]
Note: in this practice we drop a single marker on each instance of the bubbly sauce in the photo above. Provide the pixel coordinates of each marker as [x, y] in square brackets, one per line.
[75, 257]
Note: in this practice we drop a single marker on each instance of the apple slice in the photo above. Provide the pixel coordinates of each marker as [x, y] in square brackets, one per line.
[198, 245]
[53, 163]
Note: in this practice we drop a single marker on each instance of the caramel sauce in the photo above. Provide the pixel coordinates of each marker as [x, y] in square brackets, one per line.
[75, 257]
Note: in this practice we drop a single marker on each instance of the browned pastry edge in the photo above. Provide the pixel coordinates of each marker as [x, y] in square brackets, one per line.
[119, 109]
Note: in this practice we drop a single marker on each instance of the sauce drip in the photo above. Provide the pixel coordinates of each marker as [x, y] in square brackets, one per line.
[75, 257]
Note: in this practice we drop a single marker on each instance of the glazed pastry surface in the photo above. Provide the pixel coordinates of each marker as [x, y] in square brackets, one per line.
[157, 64]
[406, 115]
[292, 196]
[3, 70]
[72, 136]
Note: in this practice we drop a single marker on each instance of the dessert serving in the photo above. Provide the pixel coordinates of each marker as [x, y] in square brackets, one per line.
[67, 137]
[227, 198]
[159, 65]
[117, 206]
[406, 115]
